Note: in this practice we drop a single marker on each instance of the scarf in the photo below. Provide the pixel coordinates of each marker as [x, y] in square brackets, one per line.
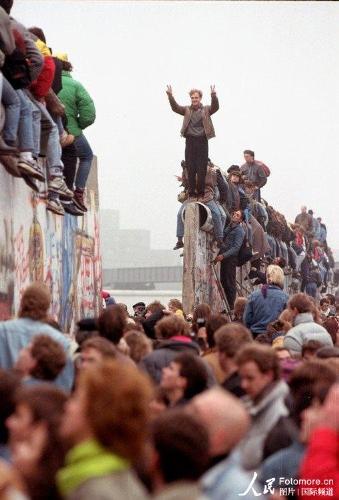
[85, 461]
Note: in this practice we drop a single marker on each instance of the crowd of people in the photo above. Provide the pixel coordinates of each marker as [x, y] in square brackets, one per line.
[45, 113]
[157, 404]
[245, 227]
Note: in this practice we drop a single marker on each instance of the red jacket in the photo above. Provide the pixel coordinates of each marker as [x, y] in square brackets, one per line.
[321, 462]
[41, 86]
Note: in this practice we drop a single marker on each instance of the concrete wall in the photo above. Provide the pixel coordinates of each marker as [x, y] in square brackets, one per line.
[63, 252]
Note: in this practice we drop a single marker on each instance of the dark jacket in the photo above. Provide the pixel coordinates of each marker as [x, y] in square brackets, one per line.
[186, 111]
[254, 173]
[233, 238]
[164, 353]
[264, 306]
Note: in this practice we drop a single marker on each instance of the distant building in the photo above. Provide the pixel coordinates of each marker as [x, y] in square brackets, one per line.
[130, 247]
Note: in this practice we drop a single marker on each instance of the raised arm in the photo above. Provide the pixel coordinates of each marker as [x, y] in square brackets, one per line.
[214, 101]
[173, 103]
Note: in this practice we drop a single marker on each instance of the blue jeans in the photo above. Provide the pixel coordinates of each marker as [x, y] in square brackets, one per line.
[85, 155]
[49, 138]
[26, 123]
[311, 289]
[218, 217]
[11, 102]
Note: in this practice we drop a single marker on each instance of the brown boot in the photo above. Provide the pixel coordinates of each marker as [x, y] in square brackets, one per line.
[79, 199]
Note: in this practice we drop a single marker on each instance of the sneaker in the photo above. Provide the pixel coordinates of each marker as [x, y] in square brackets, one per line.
[79, 200]
[31, 183]
[66, 139]
[72, 209]
[179, 244]
[54, 205]
[59, 186]
[31, 168]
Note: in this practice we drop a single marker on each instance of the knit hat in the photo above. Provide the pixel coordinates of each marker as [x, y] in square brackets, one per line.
[62, 56]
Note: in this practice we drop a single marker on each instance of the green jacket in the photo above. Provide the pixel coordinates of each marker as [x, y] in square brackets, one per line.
[80, 109]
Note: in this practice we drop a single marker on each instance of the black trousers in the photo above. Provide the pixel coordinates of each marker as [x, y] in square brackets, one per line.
[69, 159]
[228, 270]
[196, 157]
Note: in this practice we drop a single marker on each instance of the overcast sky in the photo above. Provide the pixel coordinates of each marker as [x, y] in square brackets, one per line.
[275, 67]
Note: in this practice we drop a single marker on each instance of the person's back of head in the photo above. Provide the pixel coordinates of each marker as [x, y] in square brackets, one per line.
[301, 303]
[224, 418]
[309, 349]
[171, 326]
[49, 357]
[231, 337]
[154, 307]
[239, 308]
[213, 324]
[275, 276]
[35, 302]
[181, 444]
[112, 322]
[139, 345]
[116, 399]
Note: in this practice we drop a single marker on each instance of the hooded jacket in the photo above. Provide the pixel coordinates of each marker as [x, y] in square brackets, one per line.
[305, 329]
[79, 106]
[165, 352]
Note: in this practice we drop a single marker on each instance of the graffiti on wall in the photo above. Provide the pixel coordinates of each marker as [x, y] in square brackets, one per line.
[63, 252]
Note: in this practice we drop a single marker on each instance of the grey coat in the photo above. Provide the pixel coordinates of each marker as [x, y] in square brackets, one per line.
[305, 329]
[265, 414]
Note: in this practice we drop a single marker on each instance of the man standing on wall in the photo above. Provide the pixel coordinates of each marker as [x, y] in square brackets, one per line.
[234, 235]
[197, 129]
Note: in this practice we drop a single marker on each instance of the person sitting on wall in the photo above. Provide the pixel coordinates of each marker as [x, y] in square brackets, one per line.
[254, 171]
[213, 182]
[80, 113]
[197, 129]
[234, 235]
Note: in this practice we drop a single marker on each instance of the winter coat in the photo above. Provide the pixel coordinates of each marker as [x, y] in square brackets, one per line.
[321, 460]
[186, 111]
[79, 106]
[17, 333]
[254, 172]
[264, 413]
[233, 238]
[166, 351]
[305, 329]
[264, 306]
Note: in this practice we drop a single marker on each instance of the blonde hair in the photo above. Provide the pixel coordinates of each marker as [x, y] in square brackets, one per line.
[193, 91]
[275, 275]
